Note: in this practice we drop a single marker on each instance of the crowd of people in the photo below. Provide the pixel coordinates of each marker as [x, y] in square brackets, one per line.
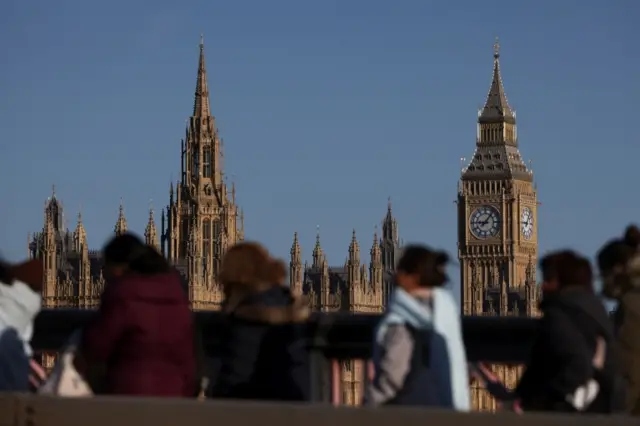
[144, 341]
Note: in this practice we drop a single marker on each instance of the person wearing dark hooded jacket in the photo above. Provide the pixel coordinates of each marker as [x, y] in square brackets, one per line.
[262, 350]
[619, 264]
[143, 332]
[572, 366]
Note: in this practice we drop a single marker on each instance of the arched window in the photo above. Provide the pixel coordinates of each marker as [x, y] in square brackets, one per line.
[206, 162]
[217, 229]
[196, 162]
[206, 243]
[184, 238]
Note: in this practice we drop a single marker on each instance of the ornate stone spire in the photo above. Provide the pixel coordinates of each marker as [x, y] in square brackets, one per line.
[496, 108]
[201, 106]
[376, 253]
[295, 266]
[296, 251]
[376, 274]
[150, 232]
[354, 249]
[390, 225]
[318, 254]
[80, 236]
[496, 155]
[121, 223]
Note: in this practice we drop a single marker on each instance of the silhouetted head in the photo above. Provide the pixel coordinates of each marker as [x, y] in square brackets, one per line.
[619, 263]
[128, 253]
[421, 267]
[248, 267]
[565, 268]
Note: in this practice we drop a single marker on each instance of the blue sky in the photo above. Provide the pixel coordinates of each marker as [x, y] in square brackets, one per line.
[326, 108]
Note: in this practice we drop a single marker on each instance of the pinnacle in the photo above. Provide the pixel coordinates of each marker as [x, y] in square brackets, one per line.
[295, 247]
[201, 106]
[496, 107]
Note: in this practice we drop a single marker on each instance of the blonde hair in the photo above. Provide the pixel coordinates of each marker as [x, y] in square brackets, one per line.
[248, 268]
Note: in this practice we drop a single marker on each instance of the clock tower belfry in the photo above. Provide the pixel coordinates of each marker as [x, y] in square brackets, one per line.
[497, 226]
[497, 215]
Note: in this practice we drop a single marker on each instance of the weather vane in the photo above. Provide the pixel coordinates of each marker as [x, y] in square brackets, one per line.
[496, 48]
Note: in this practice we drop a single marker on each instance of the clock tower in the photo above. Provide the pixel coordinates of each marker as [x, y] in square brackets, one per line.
[497, 223]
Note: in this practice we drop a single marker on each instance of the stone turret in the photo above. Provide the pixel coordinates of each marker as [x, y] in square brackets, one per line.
[121, 223]
[295, 266]
[150, 232]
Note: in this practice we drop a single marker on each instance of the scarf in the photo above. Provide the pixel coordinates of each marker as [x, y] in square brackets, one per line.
[448, 356]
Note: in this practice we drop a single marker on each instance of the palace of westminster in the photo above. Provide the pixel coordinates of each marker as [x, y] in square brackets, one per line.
[497, 235]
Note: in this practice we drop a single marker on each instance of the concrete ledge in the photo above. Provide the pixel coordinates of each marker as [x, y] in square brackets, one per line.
[31, 410]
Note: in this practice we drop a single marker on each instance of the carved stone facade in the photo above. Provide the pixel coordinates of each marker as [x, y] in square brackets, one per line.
[202, 219]
[497, 225]
[200, 222]
[72, 272]
[354, 287]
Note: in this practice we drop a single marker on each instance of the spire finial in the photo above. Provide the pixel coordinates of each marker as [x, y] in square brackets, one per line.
[496, 48]
[389, 204]
[53, 191]
[121, 204]
[201, 104]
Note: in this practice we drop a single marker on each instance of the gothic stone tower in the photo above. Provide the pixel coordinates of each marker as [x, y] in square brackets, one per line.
[72, 273]
[497, 223]
[202, 218]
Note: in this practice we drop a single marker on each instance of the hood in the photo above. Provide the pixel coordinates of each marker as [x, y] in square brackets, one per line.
[19, 305]
[412, 309]
[276, 305]
[584, 306]
[157, 288]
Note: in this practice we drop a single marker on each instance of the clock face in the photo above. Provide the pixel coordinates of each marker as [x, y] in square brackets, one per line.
[485, 222]
[527, 222]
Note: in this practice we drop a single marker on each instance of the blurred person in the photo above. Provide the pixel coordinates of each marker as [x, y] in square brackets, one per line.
[619, 265]
[419, 355]
[262, 350]
[20, 300]
[143, 332]
[572, 366]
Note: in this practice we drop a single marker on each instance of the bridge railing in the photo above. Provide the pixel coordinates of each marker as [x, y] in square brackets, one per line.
[333, 337]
